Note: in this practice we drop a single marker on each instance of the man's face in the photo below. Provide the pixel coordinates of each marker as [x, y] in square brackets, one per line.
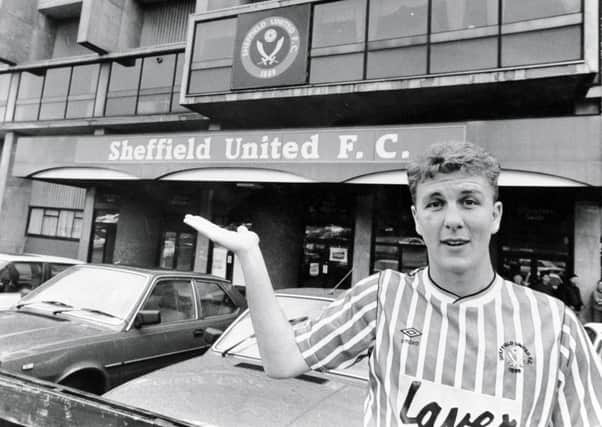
[456, 215]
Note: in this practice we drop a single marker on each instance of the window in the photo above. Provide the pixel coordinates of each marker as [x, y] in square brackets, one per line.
[337, 52]
[463, 14]
[156, 84]
[123, 88]
[54, 97]
[175, 97]
[520, 10]
[4, 88]
[30, 274]
[396, 245]
[211, 68]
[28, 97]
[397, 38]
[63, 223]
[177, 250]
[213, 301]
[173, 298]
[82, 92]
[55, 269]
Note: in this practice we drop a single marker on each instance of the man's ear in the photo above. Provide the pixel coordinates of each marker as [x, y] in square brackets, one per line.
[416, 223]
[497, 217]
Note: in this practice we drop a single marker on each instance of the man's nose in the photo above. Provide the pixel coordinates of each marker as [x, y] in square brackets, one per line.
[453, 218]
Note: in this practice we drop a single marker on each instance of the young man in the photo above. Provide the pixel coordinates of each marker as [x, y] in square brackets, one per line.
[453, 344]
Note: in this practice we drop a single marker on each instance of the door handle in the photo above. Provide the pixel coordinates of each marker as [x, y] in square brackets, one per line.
[198, 332]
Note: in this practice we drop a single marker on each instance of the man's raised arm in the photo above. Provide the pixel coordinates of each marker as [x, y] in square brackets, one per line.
[275, 337]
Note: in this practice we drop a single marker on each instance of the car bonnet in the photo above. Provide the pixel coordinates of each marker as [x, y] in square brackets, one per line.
[26, 332]
[232, 392]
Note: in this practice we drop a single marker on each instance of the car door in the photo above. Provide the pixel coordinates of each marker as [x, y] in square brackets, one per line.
[216, 307]
[178, 336]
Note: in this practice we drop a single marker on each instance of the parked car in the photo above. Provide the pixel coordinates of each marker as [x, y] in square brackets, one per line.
[95, 326]
[227, 385]
[594, 331]
[22, 273]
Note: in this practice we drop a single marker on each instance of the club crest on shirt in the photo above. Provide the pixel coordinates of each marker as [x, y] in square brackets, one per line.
[515, 355]
[411, 336]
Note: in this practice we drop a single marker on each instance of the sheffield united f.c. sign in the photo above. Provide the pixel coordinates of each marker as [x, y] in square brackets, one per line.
[271, 48]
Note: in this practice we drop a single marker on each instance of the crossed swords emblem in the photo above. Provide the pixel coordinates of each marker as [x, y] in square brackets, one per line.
[269, 59]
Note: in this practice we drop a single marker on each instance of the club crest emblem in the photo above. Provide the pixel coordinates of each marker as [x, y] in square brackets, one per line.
[270, 47]
[515, 355]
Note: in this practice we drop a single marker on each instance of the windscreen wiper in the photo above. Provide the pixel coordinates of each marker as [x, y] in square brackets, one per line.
[49, 302]
[89, 310]
[239, 342]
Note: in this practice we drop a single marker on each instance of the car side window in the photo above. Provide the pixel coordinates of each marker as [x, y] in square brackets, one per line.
[213, 301]
[57, 268]
[29, 275]
[173, 298]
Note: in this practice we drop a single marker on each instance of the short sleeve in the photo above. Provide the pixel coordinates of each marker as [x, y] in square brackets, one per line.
[344, 331]
[579, 399]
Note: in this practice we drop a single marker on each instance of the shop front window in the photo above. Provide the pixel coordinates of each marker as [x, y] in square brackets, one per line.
[396, 245]
[177, 250]
[328, 241]
[534, 238]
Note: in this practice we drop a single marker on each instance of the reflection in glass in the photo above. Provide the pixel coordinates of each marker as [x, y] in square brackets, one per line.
[391, 19]
[463, 14]
[156, 84]
[82, 92]
[520, 10]
[338, 23]
[214, 40]
[123, 88]
[4, 88]
[54, 97]
[28, 97]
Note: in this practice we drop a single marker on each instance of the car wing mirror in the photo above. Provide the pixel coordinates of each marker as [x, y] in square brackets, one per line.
[147, 317]
[210, 335]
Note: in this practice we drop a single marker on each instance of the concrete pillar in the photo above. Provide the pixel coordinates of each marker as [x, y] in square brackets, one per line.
[110, 25]
[138, 231]
[15, 195]
[362, 237]
[201, 257]
[587, 249]
[276, 219]
[88, 223]
[25, 34]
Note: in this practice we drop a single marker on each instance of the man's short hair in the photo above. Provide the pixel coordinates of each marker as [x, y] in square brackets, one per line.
[449, 157]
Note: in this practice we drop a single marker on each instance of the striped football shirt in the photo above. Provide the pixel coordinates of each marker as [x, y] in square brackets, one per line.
[505, 357]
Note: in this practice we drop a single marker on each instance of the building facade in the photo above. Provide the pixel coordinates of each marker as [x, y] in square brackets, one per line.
[298, 118]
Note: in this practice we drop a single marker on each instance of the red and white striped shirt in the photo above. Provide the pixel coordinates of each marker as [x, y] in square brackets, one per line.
[505, 354]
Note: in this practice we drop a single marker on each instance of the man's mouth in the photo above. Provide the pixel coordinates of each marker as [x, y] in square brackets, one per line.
[454, 242]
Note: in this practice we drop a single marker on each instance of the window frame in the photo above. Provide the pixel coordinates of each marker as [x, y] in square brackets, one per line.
[78, 214]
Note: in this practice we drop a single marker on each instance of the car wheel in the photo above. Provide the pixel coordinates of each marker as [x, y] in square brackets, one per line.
[90, 382]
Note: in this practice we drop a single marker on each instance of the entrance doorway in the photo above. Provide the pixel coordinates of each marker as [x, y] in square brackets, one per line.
[103, 236]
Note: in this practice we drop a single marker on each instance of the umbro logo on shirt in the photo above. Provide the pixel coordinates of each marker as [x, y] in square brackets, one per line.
[412, 334]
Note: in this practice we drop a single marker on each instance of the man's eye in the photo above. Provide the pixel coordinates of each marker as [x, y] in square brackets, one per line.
[434, 204]
[470, 202]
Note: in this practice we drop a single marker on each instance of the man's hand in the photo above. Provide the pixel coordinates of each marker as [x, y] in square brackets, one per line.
[237, 241]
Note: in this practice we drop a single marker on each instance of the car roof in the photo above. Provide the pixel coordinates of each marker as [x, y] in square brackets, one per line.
[154, 271]
[29, 257]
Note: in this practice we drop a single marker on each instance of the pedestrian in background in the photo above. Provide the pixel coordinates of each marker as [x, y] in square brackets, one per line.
[571, 294]
[597, 303]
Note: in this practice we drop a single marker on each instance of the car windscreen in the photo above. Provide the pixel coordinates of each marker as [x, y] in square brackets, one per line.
[114, 292]
[239, 339]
